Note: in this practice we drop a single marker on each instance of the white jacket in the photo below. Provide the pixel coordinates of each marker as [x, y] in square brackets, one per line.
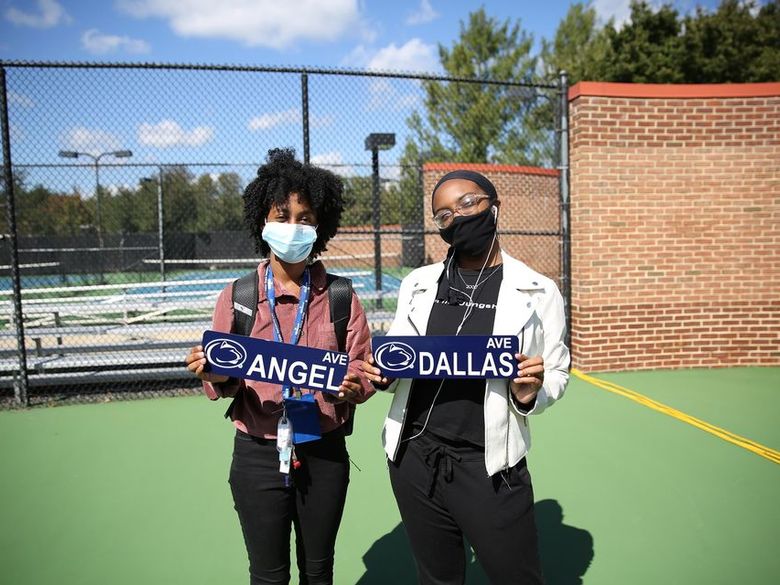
[530, 307]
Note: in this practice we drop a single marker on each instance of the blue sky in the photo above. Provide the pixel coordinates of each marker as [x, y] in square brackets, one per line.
[197, 118]
[396, 35]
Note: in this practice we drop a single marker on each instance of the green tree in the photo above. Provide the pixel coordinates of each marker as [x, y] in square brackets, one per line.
[579, 47]
[734, 44]
[358, 207]
[67, 213]
[390, 202]
[204, 193]
[739, 42]
[767, 64]
[648, 48]
[40, 211]
[30, 218]
[218, 202]
[129, 211]
[185, 205]
[19, 179]
[478, 122]
[229, 202]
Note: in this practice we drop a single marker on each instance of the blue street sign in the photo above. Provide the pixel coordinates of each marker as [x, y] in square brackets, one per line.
[446, 356]
[238, 356]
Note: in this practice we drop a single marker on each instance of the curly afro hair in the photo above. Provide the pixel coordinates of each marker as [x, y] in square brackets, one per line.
[276, 180]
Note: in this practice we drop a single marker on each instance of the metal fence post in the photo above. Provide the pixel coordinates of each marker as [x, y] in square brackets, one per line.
[20, 383]
[563, 167]
[419, 211]
[376, 211]
[160, 225]
[52, 254]
[305, 114]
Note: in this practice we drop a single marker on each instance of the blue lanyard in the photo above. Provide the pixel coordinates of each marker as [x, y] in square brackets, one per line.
[303, 303]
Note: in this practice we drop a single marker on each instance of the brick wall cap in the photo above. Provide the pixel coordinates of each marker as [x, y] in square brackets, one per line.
[489, 168]
[670, 90]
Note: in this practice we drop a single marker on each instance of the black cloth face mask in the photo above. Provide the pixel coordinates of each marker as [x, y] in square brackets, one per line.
[471, 235]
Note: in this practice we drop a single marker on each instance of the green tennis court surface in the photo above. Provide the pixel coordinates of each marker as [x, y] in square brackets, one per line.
[136, 492]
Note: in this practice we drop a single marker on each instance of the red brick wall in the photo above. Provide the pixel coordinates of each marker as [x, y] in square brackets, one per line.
[675, 213]
[529, 202]
[356, 250]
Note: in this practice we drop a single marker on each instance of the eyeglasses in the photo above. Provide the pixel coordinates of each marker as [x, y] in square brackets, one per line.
[466, 205]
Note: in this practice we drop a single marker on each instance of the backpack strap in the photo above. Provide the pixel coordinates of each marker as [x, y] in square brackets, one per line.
[340, 297]
[244, 297]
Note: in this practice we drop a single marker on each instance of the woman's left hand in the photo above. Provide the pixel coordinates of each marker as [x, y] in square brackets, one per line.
[350, 388]
[530, 376]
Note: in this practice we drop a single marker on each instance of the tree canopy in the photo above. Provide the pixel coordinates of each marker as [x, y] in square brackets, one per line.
[738, 42]
[473, 121]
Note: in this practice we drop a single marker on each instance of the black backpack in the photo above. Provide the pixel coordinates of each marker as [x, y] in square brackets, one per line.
[245, 297]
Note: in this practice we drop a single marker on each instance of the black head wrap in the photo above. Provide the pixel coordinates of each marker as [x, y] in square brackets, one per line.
[472, 176]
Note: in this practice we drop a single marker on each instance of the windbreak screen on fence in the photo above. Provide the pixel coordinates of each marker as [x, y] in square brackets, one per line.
[127, 185]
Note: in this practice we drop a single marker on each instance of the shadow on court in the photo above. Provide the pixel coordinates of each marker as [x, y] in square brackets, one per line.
[566, 553]
[389, 560]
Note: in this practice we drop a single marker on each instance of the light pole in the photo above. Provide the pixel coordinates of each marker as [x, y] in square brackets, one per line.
[160, 234]
[96, 163]
[375, 143]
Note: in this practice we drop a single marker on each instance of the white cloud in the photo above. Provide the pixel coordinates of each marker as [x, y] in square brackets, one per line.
[93, 141]
[320, 121]
[425, 13]
[620, 10]
[357, 57]
[115, 189]
[97, 43]
[50, 13]
[415, 55]
[167, 133]
[390, 174]
[266, 23]
[273, 119]
[19, 99]
[285, 117]
[384, 96]
[368, 33]
[334, 162]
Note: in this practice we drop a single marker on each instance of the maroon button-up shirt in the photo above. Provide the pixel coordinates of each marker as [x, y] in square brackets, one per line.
[259, 407]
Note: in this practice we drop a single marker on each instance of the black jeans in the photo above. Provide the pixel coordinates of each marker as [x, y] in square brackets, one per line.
[267, 509]
[444, 494]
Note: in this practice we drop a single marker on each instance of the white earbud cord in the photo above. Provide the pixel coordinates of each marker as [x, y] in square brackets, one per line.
[466, 315]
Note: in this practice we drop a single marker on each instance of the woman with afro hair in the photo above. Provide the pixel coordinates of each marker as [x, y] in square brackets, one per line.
[292, 210]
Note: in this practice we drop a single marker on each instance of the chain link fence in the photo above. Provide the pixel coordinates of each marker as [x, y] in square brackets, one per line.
[122, 189]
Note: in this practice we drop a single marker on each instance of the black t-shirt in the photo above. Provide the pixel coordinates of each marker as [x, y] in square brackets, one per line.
[458, 414]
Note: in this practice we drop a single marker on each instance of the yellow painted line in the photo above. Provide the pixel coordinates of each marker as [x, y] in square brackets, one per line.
[757, 448]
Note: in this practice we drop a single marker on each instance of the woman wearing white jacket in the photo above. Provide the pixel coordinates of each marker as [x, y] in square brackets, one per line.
[456, 448]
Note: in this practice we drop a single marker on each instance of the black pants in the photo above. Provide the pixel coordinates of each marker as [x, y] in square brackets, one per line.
[444, 494]
[313, 504]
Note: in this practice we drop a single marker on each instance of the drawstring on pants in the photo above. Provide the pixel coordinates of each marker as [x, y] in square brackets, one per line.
[434, 456]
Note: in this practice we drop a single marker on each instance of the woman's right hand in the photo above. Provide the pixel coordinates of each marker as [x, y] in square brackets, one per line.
[196, 362]
[373, 373]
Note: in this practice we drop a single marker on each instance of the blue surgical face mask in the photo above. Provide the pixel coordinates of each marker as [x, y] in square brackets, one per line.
[290, 242]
